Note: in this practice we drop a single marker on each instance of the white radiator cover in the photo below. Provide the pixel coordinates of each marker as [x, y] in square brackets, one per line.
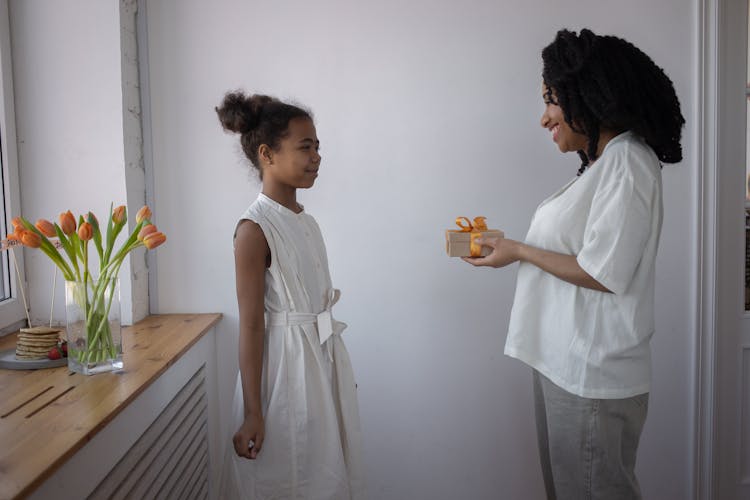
[170, 459]
[164, 444]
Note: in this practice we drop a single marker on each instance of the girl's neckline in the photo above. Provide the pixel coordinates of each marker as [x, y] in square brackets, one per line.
[281, 208]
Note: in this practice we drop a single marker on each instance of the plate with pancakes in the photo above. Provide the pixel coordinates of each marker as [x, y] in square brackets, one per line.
[32, 346]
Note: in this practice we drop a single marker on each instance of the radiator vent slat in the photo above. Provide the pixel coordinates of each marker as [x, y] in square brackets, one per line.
[150, 464]
[173, 474]
[195, 478]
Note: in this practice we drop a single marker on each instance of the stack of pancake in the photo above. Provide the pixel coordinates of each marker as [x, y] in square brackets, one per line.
[36, 342]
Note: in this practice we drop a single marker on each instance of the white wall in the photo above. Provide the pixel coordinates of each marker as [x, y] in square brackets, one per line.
[426, 110]
[73, 134]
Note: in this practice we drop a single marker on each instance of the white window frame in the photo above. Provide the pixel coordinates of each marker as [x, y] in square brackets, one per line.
[12, 310]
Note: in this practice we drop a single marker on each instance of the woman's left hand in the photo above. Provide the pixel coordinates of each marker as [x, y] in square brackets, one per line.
[504, 252]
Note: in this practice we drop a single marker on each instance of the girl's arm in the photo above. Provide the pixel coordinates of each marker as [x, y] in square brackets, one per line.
[251, 253]
[565, 267]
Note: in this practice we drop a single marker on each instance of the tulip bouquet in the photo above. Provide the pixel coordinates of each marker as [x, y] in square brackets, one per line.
[93, 295]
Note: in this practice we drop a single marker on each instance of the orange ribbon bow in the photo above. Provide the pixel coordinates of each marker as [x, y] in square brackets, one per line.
[475, 229]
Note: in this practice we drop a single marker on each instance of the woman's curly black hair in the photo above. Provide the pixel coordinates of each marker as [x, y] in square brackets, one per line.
[607, 83]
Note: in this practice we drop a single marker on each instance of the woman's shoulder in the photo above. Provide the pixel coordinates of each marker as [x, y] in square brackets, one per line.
[629, 154]
[628, 143]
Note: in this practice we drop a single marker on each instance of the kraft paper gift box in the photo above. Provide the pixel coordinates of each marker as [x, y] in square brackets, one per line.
[458, 242]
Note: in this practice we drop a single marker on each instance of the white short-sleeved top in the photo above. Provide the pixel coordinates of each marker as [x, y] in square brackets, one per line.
[590, 343]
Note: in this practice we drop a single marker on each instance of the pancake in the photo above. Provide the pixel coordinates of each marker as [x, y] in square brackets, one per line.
[36, 342]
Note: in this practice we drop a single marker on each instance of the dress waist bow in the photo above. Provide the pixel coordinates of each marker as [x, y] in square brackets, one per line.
[327, 325]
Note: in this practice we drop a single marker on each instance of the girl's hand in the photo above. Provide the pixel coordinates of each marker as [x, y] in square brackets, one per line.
[248, 440]
[504, 252]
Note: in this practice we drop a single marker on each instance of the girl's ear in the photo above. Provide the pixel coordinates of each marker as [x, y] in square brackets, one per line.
[265, 154]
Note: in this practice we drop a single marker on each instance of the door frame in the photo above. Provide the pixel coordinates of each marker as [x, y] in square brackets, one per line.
[720, 141]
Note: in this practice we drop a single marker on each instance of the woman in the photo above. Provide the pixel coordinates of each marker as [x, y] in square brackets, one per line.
[583, 312]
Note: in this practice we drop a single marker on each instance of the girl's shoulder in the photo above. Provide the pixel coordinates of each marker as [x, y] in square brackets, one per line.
[256, 212]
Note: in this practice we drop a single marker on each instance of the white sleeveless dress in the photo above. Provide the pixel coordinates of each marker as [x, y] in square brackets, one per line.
[312, 446]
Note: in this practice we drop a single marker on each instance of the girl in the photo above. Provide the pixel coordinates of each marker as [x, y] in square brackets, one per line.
[583, 313]
[295, 406]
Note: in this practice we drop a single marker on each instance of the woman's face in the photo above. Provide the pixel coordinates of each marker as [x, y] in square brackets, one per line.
[552, 119]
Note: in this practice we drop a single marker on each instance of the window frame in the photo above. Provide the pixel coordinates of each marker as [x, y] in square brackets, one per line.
[12, 310]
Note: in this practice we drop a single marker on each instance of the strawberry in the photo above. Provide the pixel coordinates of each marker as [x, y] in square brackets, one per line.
[64, 347]
[54, 353]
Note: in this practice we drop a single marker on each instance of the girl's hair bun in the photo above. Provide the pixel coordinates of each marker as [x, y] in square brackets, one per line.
[259, 119]
[241, 114]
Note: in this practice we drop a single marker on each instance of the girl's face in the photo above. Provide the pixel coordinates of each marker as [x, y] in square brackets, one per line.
[297, 160]
[552, 119]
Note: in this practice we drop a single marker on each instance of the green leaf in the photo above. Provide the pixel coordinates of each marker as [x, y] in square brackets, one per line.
[97, 236]
[50, 250]
[131, 243]
[108, 243]
[116, 229]
[77, 245]
[68, 247]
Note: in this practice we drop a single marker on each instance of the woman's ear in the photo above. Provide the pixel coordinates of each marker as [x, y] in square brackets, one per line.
[265, 154]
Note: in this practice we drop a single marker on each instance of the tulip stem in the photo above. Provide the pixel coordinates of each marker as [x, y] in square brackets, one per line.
[54, 284]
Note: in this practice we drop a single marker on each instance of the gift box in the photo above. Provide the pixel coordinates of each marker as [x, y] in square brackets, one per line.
[461, 242]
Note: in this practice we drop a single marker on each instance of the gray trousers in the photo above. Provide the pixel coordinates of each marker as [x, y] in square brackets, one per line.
[587, 447]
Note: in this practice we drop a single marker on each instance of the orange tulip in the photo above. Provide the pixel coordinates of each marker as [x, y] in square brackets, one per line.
[31, 239]
[67, 223]
[146, 230]
[16, 222]
[46, 228]
[119, 215]
[13, 237]
[85, 232]
[153, 240]
[143, 213]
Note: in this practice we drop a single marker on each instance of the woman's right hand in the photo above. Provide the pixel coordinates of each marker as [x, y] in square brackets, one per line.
[248, 440]
[504, 252]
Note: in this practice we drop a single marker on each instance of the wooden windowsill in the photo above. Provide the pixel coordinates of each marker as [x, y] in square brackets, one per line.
[48, 415]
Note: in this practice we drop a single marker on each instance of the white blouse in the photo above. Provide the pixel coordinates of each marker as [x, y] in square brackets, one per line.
[590, 343]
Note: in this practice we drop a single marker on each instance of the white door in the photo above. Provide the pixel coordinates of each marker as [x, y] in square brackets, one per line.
[723, 447]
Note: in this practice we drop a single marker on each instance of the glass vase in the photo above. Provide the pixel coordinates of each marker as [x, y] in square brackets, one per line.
[92, 311]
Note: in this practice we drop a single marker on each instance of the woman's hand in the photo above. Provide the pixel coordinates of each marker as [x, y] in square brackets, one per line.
[248, 440]
[565, 267]
[504, 252]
